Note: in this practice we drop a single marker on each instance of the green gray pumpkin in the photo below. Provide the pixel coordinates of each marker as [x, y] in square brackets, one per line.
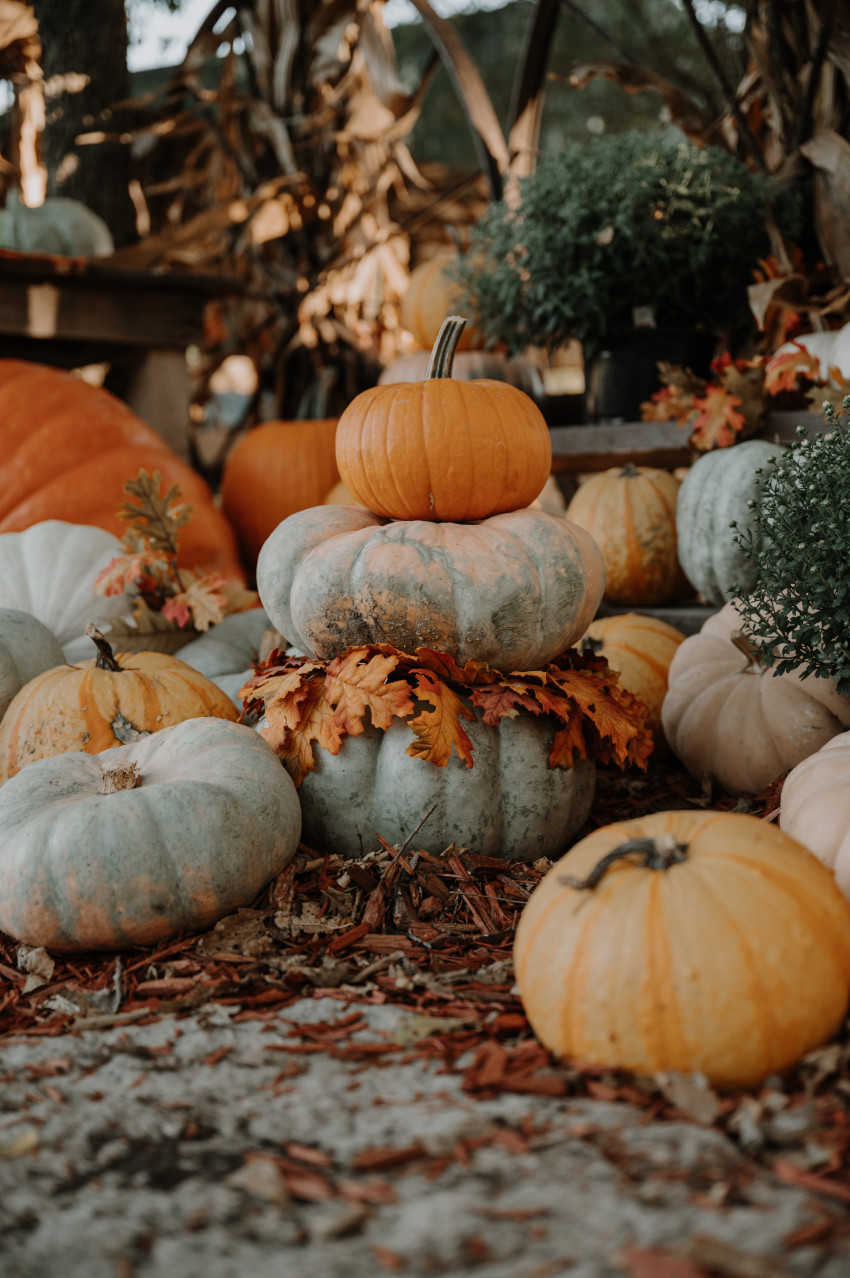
[27, 649]
[226, 652]
[127, 847]
[514, 590]
[717, 490]
[58, 225]
[510, 804]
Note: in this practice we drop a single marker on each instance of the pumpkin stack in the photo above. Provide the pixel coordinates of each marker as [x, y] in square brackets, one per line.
[443, 554]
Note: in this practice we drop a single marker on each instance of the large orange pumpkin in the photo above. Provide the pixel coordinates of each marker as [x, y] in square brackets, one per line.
[275, 470]
[443, 450]
[630, 512]
[66, 451]
[704, 942]
[432, 295]
[109, 701]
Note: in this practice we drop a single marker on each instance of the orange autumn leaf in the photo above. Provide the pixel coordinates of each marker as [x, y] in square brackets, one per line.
[292, 736]
[438, 729]
[281, 688]
[715, 421]
[357, 682]
[784, 370]
[474, 672]
[500, 701]
[569, 743]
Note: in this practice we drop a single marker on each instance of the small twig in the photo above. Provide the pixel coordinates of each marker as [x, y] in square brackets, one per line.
[413, 834]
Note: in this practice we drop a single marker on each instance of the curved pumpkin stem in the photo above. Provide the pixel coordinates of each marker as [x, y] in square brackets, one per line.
[744, 644]
[630, 471]
[652, 854]
[124, 776]
[445, 347]
[105, 655]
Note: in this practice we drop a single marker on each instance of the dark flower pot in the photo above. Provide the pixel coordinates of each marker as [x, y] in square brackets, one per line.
[624, 376]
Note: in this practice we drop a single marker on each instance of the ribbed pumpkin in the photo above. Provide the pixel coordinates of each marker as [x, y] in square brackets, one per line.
[690, 941]
[715, 491]
[440, 449]
[274, 470]
[27, 648]
[815, 808]
[66, 451]
[106, 702]
[227, 652]
[630, 512]
[431, 295]
[514, 590]
[728, 715]
[129, 846]
[640, 649]
[510, 804]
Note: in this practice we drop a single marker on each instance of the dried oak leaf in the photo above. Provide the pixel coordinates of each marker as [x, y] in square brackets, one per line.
[298, 716]
[438, 729]
[201, 603]
[502, 700]
[474, 672]
[359, 681]
[618, 722]
[784, 370]
[715, 421]
[569, 742]
[158, 517]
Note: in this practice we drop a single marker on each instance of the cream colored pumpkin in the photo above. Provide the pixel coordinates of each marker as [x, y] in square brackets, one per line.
[815, 808]
[728, 715]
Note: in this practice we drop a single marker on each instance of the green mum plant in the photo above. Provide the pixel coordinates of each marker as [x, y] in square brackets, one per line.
[797, 614]
[613, 224]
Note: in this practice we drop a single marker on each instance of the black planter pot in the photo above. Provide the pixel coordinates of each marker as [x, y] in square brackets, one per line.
[623, 377]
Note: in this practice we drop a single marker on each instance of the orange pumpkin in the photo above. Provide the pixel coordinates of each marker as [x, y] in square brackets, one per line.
[630, 512]
[640, 649]
[432, 295]
[443, 450]
[704, 942]
[67, 450]
[107, 701]
[275, 470]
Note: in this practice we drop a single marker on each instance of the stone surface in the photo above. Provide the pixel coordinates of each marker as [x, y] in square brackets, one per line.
[195, 1146]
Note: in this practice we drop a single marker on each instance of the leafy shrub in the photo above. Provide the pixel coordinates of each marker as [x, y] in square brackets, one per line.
[612, 224]
[798, 611]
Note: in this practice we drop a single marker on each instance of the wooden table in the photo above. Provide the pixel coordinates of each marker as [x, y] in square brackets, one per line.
[69, 312]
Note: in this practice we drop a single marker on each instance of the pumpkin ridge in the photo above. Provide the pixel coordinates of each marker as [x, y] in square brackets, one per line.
[667, 1042]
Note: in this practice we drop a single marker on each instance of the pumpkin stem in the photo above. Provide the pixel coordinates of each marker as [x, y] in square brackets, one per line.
[443, 354]
[105, 655]
[629, 471]
[120, 776]
[744, 644]
[653, 854]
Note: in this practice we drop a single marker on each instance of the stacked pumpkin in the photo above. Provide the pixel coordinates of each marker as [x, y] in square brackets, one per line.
[444, 553]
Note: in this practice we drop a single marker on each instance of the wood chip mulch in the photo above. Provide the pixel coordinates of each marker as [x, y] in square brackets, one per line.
[432, 934]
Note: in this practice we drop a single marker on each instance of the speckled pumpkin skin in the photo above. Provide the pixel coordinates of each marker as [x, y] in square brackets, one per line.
[514, 590]
[510, 804]
[631, 513]
[743, 723]
[83, 708]
[214, 818]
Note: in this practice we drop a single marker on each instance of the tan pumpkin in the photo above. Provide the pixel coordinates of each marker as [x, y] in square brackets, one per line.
[102, 703]
[274, 470]
[432, 295]
[815, 808]
[686, 941]
[630, 512]
[443, 450]
[641, 650]
[731, 717]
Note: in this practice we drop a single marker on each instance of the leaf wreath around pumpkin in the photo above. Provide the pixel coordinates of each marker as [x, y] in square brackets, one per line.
[303, 700]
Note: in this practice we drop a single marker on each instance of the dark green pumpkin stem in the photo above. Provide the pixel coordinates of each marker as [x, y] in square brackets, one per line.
[105, 655]
[629, 471]
[443, 354]
[652, 854]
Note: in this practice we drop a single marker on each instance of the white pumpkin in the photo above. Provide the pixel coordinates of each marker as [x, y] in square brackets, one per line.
[49, 570]
[226, 652]
[728, 715]
[510, 804]
[127, 847]
[815, 810]
[27, 648]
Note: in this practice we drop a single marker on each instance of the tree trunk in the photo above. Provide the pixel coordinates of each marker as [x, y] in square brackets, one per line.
[87, 39]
